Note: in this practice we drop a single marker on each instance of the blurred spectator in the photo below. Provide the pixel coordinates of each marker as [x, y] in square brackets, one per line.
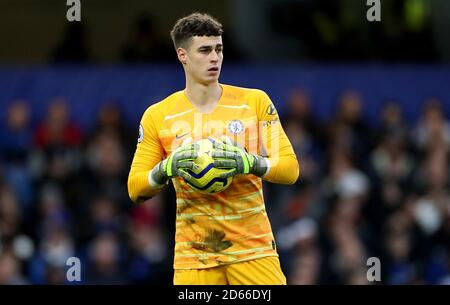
[233, 53]
[391, 168]
[306, 268]
[110, 120]
[52, 211]
[106, 169]
[433, 130]
[49, 264]
[303, 131]
[10, 216]
[145, 43]
[398, 247]
[344, 180]
[73, 46]
[57, 139]
[349, 258]
[105, 155]
[16, 138]
[298, 243]
[148, 252]
[432, 207]
[16, 135]
[57, 130]
[349, 131]
[149, 244]
[56, 247]
[10, 273]
[12, 238]
[392, 120]
[101, 215]
[299, 110]
[306, 147]
[148, 213]
[305, 136]
[104, 216]
[57, 155]
[299, 233]
[105, 261]
[56, 275]
[390, 160]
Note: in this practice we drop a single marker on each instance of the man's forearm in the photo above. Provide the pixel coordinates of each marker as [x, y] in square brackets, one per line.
[141, 187]
[283, 170]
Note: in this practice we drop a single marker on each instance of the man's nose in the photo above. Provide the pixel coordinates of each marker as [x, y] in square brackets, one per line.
[214, 56]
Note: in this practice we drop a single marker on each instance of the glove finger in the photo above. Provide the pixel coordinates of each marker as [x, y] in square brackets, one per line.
[239, 146]
[213, 140]
[226, 140]
[187, 147]
[218, 154]
[183, 174]
[217, 145]
[186, 155]
[180, 150]
[196, 147]
[225, 164]
[229, 147]
[188, 165]
[223, 146]
[227, 174]
[223, 154]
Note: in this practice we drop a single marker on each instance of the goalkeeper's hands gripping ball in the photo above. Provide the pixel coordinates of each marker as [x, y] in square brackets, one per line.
[227, 154]
[176, 164]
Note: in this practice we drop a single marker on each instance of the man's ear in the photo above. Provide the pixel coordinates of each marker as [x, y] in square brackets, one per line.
[182, 55]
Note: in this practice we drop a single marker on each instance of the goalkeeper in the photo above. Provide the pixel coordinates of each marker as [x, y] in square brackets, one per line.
[223, 238]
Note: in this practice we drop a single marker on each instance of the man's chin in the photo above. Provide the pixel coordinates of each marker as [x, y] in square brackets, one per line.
[211, 79]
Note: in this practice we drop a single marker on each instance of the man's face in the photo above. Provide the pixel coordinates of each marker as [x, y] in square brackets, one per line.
[203, 58]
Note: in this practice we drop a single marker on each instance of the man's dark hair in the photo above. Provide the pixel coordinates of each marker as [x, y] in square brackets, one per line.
[196, 24]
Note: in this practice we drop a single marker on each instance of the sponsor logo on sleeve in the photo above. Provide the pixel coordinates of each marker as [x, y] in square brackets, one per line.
[141, 133]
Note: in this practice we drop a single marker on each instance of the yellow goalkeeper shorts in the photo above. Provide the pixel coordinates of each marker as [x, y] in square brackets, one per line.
[262, 271]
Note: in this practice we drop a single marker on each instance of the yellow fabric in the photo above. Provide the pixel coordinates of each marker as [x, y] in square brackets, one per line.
[263, 271]
[230, 226]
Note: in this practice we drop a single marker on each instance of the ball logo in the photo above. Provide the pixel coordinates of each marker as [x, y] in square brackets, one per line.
[141, 134]
[236, 126]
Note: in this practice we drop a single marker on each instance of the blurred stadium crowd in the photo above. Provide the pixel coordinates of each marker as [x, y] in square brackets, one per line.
[364, 191]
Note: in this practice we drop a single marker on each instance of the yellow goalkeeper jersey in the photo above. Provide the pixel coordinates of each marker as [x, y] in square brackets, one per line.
[230, 226]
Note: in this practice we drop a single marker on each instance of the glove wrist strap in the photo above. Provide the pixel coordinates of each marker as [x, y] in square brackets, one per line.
[157, 175]
[260, 166]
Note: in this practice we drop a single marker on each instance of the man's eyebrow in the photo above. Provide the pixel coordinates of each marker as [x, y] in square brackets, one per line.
[210, 47]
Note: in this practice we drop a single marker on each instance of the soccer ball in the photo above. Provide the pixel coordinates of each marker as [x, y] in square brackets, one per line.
[207, 180]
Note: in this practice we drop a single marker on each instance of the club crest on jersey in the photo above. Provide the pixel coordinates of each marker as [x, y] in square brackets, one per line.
[141, 133]
[236, 126]
[271, 110]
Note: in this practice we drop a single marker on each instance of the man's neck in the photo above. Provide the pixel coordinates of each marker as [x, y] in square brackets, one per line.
[204, 97]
